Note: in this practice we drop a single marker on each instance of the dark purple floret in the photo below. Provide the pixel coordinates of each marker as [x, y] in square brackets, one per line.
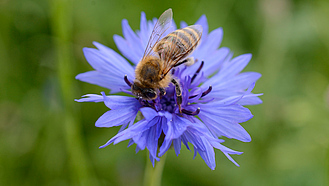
[203, 93]
[197, 72]
[196, 112]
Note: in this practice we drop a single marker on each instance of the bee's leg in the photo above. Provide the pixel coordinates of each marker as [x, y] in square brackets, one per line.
[180, 62]
[188, 62]
[162, 92]
[178, 91]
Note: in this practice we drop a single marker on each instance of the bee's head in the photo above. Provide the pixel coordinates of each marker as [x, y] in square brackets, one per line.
[144, 93]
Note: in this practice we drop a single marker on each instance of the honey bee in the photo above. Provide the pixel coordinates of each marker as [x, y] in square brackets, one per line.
[162, 55]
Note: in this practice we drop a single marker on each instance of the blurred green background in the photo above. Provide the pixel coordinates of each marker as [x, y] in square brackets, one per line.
[48, 139]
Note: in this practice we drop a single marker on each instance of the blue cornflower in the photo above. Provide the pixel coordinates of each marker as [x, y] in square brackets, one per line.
[213, 90]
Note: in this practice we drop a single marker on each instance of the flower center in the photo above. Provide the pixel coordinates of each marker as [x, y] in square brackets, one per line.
[168, 102]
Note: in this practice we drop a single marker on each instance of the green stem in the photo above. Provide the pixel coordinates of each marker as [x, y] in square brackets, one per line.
[62, 31]
[153, 175]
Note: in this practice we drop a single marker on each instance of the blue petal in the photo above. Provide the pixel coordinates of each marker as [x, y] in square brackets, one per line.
[137, 149]
[120, 102]
[239, 82]
[107, 61]
[177, 145]
[199, 139]
[152, 142]
[193, 136]
[131, 142]
[236, 113]
[208, 155]
[106, 80]
[250, 99]
[223, 127]
[167, 141]
[131, 37]
[152, 159]
[231, 159]
[195, 151]
[93, 56]
[111, 68]
[185, 142]
[226, 151]
[183, 24]
[204, 23]
[210, 44]
[214, 40]
[127, 49]
[144, 30]
[233, 67]
[214, 61]
[178, 126]
[217, 144]
[159, 129]
[116, 61]
[116, 117]
[175, 129]
[232, 97]
[149, 138]
[129, 133]
[113, 101]
[91, 98]
[148, 113]
[140, 139]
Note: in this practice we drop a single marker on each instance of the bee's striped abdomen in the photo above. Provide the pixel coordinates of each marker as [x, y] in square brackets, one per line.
[179, 44]
[189, 35]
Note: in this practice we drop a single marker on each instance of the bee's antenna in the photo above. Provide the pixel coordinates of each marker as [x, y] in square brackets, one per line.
[127, 81]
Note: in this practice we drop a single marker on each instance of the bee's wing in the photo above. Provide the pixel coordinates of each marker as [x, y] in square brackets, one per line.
[186, 45]
[161, 26]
